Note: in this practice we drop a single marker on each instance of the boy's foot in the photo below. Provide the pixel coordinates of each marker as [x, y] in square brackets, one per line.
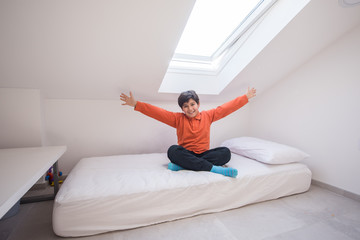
[174, 167]
[230, 172]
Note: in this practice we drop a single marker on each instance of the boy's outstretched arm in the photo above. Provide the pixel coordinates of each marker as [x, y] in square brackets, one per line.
[128, 100]
[250, 93]
[149, 110]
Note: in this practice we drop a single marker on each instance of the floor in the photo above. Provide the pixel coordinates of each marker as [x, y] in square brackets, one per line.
[316, 214]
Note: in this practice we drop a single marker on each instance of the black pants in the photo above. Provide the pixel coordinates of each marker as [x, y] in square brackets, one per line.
[198, 162]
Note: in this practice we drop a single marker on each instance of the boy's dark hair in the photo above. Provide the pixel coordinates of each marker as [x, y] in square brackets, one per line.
[186, 96]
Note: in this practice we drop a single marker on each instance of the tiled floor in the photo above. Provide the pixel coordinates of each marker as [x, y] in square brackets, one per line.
[317, 214]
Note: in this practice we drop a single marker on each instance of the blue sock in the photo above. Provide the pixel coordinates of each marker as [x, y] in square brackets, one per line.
[174, 167]
[230, 172]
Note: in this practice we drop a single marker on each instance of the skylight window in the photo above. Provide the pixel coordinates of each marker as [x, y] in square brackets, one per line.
[211, 72]
[214, 26]
[211, 23]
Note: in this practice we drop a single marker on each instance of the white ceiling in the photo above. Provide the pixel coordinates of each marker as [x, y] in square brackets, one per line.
[320, 24]
[89, 49]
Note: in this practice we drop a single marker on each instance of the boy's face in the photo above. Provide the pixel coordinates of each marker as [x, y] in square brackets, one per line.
[190, 108]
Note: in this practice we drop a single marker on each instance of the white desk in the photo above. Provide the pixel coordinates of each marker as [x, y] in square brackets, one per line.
[21, 168]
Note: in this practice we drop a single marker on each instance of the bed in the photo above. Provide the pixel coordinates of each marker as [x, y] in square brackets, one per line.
[103, 194]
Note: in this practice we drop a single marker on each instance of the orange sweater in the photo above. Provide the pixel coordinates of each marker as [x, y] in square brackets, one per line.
[192, 133]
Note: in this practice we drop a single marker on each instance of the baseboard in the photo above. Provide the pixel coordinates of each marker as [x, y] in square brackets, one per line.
[336, 190]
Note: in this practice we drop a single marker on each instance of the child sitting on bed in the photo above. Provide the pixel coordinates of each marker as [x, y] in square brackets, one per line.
[193, 131]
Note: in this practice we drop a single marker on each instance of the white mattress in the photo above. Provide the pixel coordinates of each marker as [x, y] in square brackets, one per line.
[104, 194]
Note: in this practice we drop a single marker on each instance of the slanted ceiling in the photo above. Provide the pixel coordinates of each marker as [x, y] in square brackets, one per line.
[90, 49]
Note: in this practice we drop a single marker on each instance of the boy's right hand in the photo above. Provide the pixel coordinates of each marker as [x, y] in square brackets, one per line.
[128, 100]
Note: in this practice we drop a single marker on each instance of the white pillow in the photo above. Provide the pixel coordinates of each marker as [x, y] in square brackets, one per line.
[264, 151]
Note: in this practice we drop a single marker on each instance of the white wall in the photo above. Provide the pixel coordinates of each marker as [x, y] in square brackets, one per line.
[104, 127]
[20, 118]
[317, 109]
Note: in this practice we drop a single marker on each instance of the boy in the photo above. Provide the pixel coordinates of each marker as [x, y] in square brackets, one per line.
[193, 131]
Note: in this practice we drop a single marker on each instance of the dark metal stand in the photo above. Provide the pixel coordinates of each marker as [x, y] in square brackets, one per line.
[45, 197]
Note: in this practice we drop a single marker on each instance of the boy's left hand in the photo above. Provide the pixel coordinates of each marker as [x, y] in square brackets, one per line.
[251, 93]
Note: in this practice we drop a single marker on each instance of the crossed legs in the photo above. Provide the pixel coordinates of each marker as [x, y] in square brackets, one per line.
[210, 160]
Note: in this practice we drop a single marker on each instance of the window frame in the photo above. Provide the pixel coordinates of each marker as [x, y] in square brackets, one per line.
[193, 64]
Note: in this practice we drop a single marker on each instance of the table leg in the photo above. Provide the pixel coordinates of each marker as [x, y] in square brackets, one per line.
[45, 197]
[56, 178]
